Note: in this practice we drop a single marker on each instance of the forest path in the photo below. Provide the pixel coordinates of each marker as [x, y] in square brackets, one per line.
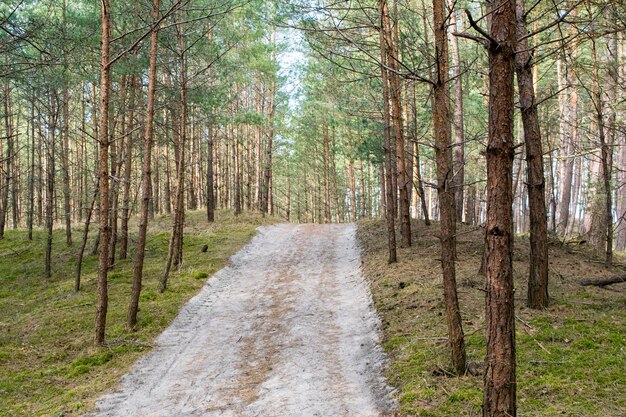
[288, 329]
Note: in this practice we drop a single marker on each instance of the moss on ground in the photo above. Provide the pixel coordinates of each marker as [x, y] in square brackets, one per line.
[48, 364]
[571, 357]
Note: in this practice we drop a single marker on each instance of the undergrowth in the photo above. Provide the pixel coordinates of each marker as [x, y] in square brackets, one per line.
[48, 364]
[571, 357]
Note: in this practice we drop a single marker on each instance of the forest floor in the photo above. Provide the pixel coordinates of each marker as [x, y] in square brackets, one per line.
[291, 323]
[287, 329]
[571, 357]
[48, 365]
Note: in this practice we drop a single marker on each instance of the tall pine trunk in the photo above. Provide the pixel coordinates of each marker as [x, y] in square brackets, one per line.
[499, 399]
[138, 261]
[175, 249]
[445, 188]
[538, 269]
[103, 167]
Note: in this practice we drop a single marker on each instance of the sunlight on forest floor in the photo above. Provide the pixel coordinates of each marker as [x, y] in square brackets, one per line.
[49, 364]
[571, 357]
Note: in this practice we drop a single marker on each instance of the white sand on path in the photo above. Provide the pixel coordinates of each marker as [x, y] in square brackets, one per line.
[288, 329]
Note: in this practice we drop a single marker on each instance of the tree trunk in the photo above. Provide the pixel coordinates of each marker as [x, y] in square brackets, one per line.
[175, 255]
[128, 159]
[236, 172]
[50, 171]
[390, 47]
[353, 208]
[445, 188]
[459, 133]
[31, 176]
[210, 201]
[417, 166]
[83, 245]
[266, 204]
[115, 149]
[620, 231]
[568, 102]
[538, 268]
[103, 138]
[145, 174]
[499, 398]
[326, 157]
[65, 165]
[9, 158]
[606, 159]
[390, 187]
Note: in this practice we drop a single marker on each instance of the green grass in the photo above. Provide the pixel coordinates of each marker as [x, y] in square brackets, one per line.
[571, 358]
[48, 364]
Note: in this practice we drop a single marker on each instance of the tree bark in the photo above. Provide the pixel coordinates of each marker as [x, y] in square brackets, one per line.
[50, 171]
[128, 159]
[210, 204]
[393, 80]
[175, 249]
[31, 176]
[325, 158]
[9, 158]
[390, 187]
[65, 165]
[445, 188]
[603, 282]
[146, 172]
[459, 133]
[83, 245]
[499, 399]
[103, 167]
[538, 268]
[568, 103]
[353, 208]
[606, 159]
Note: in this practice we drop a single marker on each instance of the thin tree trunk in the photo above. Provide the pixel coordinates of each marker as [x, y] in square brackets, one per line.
[175, 255]
[138, 261]
[363, 193]
[390, 187]
[31, 177]
[606, 159]
[538, 268]
[128, 158]
[459, 133]
[65, 157]
[620, 232]
[40, 172]
[353, 208]
[103, 138]
[50, 171]
[116, 166]
[9, 158]
[266, 204]
[568, 100]
[236, 176]
[83, 245]
[445, 188]
[391, 48]
[210, 205]
[326, 157]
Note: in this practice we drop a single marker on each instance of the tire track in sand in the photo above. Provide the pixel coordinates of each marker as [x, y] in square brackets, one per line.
[288, 329]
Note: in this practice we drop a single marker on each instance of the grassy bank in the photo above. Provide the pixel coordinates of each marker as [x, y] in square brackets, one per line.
[48, 364]
[571, 357]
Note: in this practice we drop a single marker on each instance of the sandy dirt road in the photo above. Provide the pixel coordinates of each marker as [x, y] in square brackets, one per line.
[288, 329]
